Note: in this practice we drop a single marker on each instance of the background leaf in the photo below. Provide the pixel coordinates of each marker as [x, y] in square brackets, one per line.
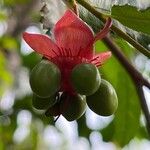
[126, 123]
[132, 18]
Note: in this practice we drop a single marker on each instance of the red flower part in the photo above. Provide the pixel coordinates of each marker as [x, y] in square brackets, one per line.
[73, 44]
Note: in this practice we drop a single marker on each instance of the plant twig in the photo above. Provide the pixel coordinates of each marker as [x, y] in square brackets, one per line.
[114, 28]
[143, 105]
[72, 5]
[136, 75]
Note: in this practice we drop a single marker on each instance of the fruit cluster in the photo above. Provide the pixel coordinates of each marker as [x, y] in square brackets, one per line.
[88, 89]
[67, 78]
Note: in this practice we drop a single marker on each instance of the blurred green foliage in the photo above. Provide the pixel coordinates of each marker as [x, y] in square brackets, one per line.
[6, 78]
[14, 2]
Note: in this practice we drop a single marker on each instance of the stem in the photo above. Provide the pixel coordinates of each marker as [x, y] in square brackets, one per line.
[144, 105]
[72, 5]
[135, 75]
[133, 42]
[76, 8]
[114, 28]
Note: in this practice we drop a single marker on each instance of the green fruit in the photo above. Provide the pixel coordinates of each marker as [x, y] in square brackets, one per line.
[53, 111]
[72, 106]
[43, 103]
[85, 78]
[104, 102]
[45, 79]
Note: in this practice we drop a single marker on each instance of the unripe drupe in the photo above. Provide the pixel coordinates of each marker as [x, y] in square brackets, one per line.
[53, 110]
[45, 79]
[85, 78]
[104, 102]
[72, 106]
[43, 103]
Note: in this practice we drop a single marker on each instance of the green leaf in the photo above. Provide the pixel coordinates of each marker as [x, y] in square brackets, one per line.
[126, 123]
[83, 130]
[30, 60]
[142, 133]
[107, 137]
[132, 18]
